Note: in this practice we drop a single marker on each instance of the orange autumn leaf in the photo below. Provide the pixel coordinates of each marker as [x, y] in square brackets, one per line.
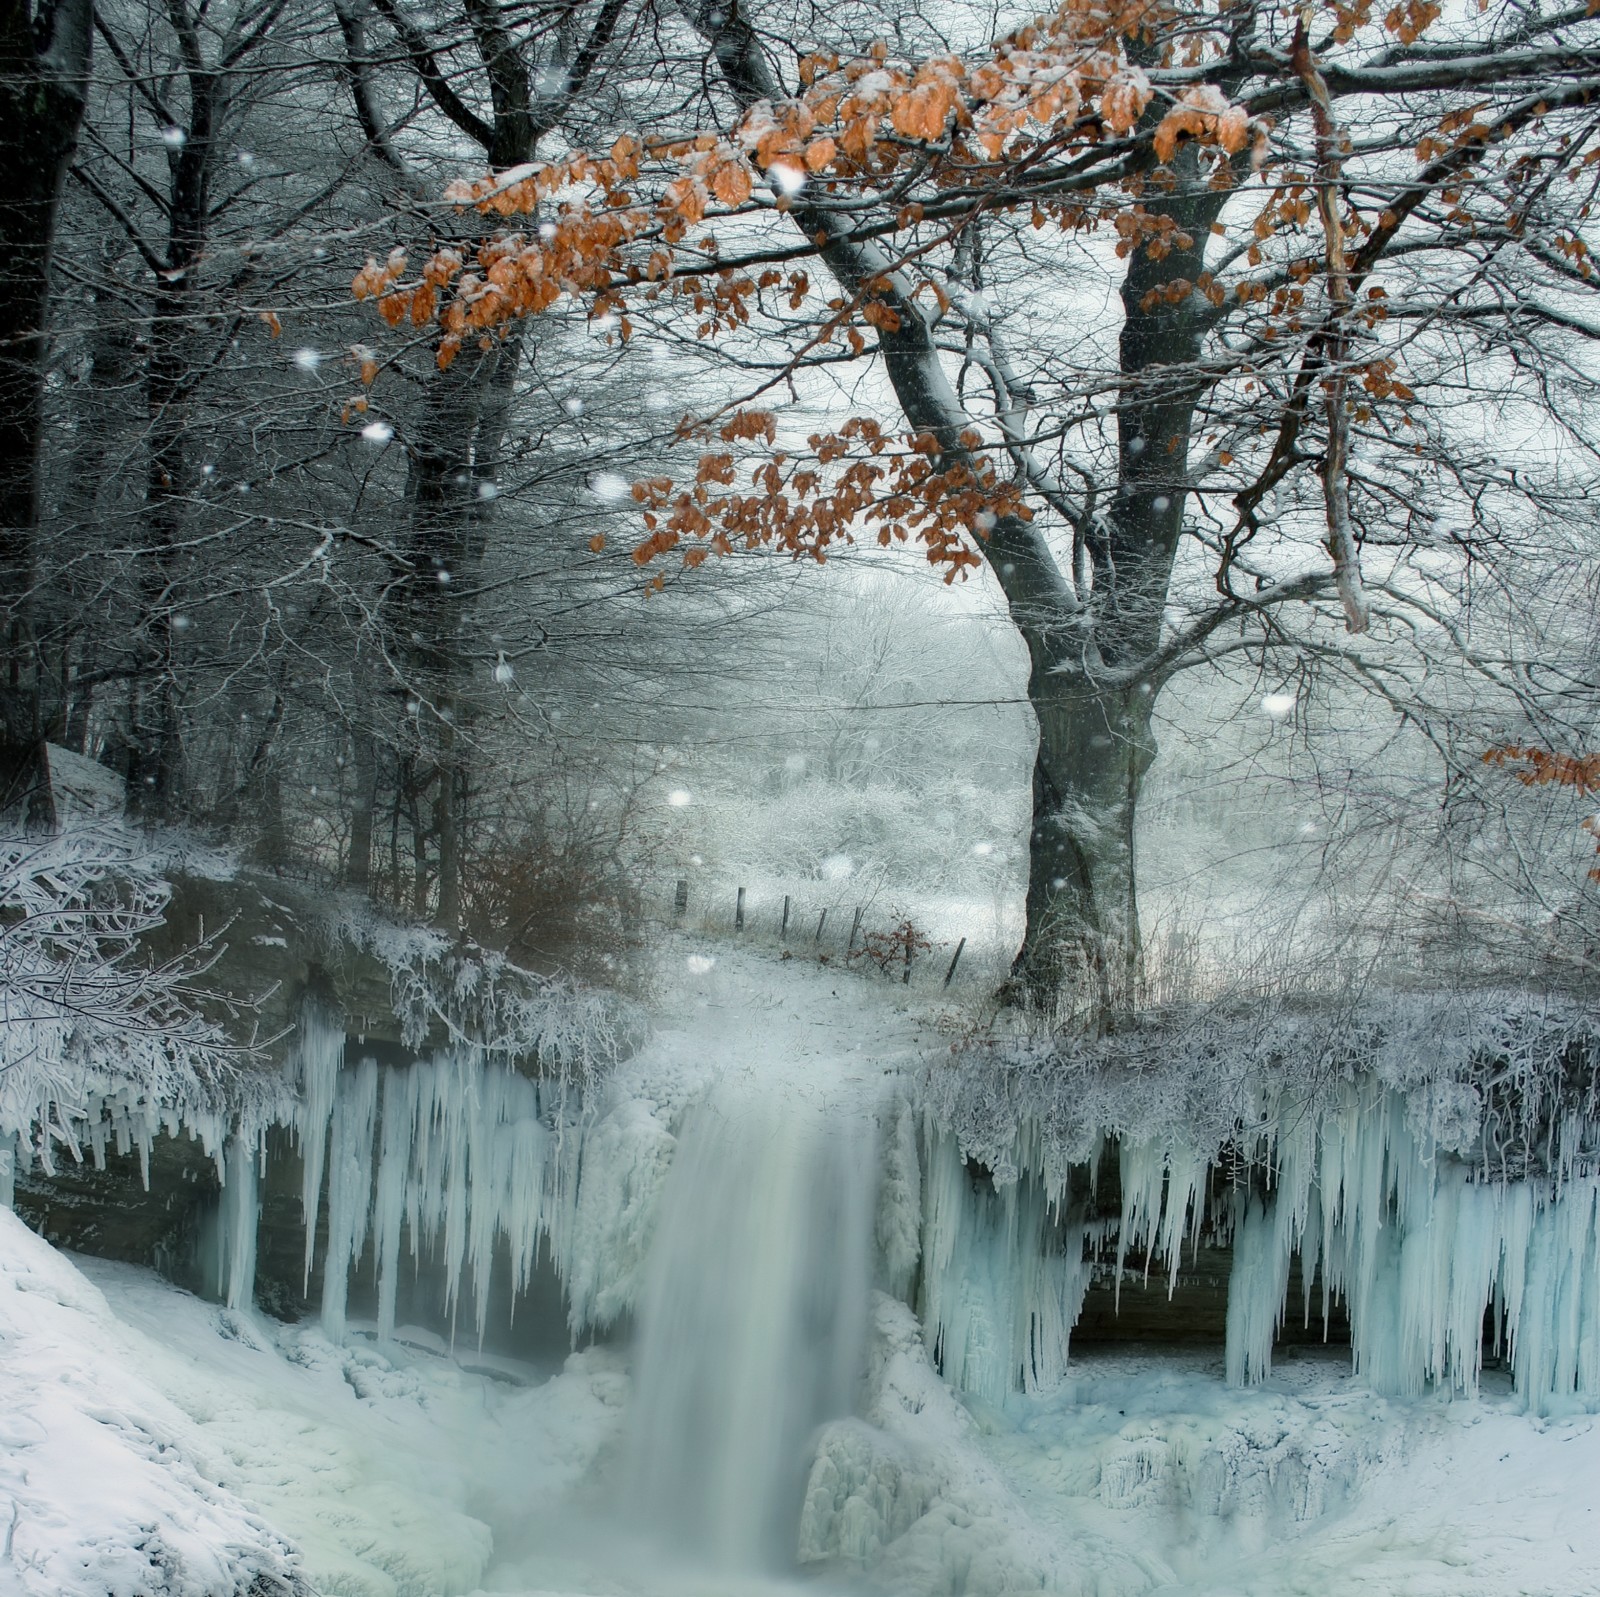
[731, 183]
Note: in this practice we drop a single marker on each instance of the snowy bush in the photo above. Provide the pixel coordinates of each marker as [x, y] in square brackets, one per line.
[89, 1018]
[475, 998]
[1509, 1079]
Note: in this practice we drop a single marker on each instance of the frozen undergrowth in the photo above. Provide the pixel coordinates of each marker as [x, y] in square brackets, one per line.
[572, 1034]
[1507, 1079]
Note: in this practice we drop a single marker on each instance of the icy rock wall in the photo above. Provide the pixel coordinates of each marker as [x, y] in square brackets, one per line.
[1423, 1251]
[456, 1156]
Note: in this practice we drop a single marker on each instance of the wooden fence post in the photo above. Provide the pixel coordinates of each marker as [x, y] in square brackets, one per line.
[822, 920]
[955, 959]
[680, 900]
[738, 913]
[855, 929]
[783, 930]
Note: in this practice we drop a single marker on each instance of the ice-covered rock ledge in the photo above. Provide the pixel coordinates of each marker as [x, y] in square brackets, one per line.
[1429, 1163]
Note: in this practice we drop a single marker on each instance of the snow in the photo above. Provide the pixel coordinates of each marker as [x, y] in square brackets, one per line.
[138, 1416]
[107, 1486]
[1145, 1471]
[731, 1194]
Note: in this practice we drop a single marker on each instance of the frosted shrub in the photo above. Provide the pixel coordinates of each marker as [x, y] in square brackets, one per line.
[91, 1021]
[474, 998]
[1507, 1078]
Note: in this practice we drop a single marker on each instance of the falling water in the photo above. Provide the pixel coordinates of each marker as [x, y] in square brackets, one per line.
[753, 1323]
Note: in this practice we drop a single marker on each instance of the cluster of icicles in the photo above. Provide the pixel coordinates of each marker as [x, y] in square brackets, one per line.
[450, 1153]
[456, 1157]
[1425, 1260]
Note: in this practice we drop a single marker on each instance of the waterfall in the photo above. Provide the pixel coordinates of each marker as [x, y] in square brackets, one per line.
[752, 1326]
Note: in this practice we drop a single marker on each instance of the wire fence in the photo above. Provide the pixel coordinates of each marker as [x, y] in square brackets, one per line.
[862, 925]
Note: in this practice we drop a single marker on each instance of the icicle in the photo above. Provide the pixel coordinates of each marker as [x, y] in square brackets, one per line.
[1144, 1174]
[389, 1202]
[1187, 1173]
[1257, 1285]
[1004, 1278]
[1474, 1271]
[237, 1223]
[349, 1189]
[318, 1052]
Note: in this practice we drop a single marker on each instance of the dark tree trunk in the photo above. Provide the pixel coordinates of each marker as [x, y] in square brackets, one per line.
[44, 62]
[1082, 944]
[1093, 706]
[156, 774]
[364, 759]
[445, 549]
[113, 373]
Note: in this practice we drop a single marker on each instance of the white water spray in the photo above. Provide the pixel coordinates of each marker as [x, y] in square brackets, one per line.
[754, 1318]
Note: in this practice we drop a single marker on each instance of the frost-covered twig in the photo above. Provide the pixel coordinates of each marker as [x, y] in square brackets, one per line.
[89, 1022]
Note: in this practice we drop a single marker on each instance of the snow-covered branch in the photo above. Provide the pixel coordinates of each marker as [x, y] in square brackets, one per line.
[88, 1019]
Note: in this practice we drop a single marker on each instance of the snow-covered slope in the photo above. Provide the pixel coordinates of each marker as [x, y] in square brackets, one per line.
[155, 1445]
[107, 1487]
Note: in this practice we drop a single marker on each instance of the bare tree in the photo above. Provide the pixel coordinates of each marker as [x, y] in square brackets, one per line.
[1322, 233]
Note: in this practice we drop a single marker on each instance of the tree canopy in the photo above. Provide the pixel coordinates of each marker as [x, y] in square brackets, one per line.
[1350, 372]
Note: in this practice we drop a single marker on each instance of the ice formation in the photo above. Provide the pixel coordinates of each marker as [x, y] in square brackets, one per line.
[461, 1154]
[1430, 1257]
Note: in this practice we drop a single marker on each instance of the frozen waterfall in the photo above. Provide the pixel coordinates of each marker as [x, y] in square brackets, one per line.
[754, 1318]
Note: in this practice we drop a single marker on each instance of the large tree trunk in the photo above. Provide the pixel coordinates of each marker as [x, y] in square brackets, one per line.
[1082, 948]
[44, 61]
[1094, 705]
[1087, 642]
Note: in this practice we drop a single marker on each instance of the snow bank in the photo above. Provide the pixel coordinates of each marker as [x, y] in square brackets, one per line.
[107, 1488]
[391, 1472]
[1144, 1471]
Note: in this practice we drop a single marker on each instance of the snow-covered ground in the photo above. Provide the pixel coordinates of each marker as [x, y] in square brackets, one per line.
[154, 1443]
